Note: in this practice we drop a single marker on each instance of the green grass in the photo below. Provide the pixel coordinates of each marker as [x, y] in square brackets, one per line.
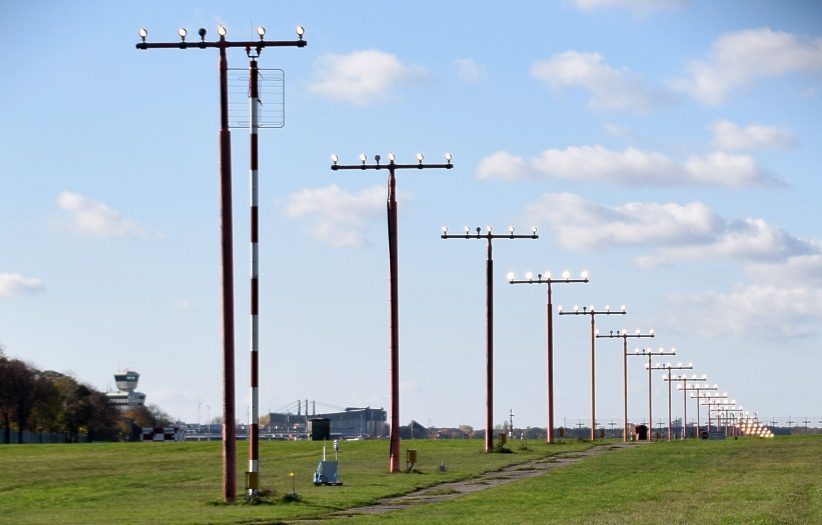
[733, 481]
[747, 481]
[180, 483]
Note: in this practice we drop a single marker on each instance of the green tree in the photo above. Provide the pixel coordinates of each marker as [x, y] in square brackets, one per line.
[6, 398]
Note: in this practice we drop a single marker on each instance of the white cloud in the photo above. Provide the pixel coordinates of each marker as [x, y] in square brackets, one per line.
[595, 163]
[611, 89]
[737, 60]
[726, 169]
[361, 77]
[85, 216]
[803, 269]
[16, 284]
[783, 299]
[622, 132]
[502, 165]
[629, 166]
[583, 225]
[184, 305]
[729, 136]
[468, 70]
[674, 231]
[759, 310]
[640, 6]
[750, 240]
[338, 216]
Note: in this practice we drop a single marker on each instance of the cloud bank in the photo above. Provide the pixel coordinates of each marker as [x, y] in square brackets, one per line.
[739, 59]
[674, 231]
[361, 77]
[12, 284]
[728, 135]
[611, 89]
[629, 166]
[338, 216]
[84, 216]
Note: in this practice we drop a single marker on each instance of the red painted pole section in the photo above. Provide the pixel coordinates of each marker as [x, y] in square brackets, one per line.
[489, 350]
[549, 437]
[593, 379]
[625, 388]
[227, 279]
[394, 321]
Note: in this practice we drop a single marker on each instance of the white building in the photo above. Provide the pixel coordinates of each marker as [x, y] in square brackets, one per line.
[127, 396]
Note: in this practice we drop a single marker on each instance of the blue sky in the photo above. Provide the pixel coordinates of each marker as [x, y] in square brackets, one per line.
[671, 148]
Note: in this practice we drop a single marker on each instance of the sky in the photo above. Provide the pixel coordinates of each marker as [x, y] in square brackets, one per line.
[670, 148]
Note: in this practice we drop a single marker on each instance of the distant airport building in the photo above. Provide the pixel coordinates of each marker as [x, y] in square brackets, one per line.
[350, 423]
[126, 396]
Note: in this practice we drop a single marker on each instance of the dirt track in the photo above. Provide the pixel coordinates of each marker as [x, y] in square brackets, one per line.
[455, 489]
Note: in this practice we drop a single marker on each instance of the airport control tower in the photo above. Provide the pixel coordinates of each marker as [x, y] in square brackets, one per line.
[127, 395]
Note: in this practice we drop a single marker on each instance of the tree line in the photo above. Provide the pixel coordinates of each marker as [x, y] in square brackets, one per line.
[38, 401]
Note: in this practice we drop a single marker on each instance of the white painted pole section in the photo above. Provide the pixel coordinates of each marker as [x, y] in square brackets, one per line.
[254, 419]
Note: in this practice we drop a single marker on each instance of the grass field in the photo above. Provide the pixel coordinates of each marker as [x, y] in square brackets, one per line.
[733, 481]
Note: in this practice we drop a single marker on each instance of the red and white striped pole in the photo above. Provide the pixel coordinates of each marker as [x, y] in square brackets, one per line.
[254, 416]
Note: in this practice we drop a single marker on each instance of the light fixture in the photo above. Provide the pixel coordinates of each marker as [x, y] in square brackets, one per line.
[391, 157]
[511, 230]
[529, 275]
[467, 230]
[444, 230]
[566, 275]
[584, 274]
[143, 33]
[335, 159]
[533, 230]
[511, 276]
[221, 30]
[300, 31]
[363, 158]
[420, 157]
[182, 32]
[488, 227]
[202, 33]
[448, 158]
[261, 32]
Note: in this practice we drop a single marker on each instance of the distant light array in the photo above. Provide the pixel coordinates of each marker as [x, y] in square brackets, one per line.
[754, 428]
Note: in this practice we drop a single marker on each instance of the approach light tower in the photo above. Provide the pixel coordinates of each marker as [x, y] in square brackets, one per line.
[683, 384]
[593, 313]
[624, 335]
[696, 387]
[650, 353]
[229, 433]
[489, 314]
[667, 377]
[393, 281]
[548, 280]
